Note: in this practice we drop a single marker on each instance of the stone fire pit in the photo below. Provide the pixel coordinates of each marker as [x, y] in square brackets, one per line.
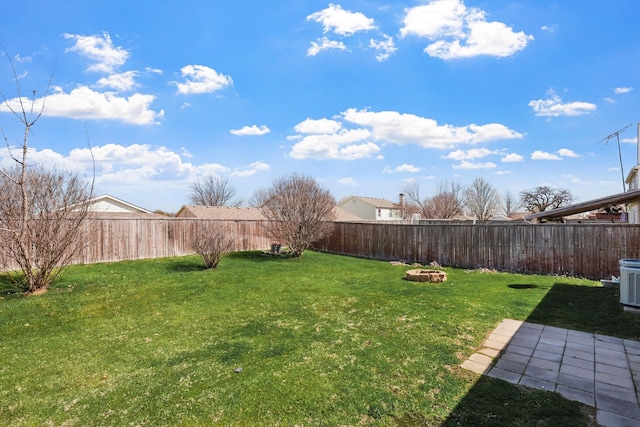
[433, 276]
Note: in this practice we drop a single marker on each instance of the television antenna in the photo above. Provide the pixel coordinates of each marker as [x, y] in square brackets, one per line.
[617, 135]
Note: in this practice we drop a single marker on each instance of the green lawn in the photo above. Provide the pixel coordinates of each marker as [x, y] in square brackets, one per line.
[321, 340]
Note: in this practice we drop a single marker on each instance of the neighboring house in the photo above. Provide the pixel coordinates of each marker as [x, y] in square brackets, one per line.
[221, 213]
[518, 216]
[112, 207]
[500, 218]
[369, 208]
[243, 214]
[629, 198]
[344, 216]
[633, 182]
[633, 208]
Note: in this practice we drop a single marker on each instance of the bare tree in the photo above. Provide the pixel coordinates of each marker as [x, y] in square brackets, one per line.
[447, 202]
[413, 199]
[259, 197]
[510, 203]
[544, 197]
[214, 191]
[212, 244]
[300, 212]
[42, 210]
[482, 200]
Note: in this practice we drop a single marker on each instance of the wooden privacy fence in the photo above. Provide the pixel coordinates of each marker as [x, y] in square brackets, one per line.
[127, 239]
[584, 250]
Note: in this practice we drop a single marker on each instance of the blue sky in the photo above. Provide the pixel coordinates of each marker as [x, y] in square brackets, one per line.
[362, 95]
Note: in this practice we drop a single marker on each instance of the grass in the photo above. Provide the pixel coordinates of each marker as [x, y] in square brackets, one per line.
[321, 340]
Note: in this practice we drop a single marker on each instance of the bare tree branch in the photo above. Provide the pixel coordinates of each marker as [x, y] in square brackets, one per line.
[214, 191]
[511, 203]
[544, 197]
[212, 244]
[299, 211]
[482, 200]
[41, 210]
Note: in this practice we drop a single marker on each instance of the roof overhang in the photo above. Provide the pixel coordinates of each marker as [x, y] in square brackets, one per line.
[616, 199]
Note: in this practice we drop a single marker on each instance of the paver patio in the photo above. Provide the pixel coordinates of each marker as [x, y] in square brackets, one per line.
[593, 369]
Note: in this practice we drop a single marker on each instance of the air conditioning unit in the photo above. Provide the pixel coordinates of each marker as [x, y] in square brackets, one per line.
[630, 282]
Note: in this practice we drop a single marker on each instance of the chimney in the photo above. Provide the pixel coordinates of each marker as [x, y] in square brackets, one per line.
[638, 142]
[401, 203]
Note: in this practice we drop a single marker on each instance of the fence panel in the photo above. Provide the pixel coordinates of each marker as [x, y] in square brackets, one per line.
[584, 250]
[110, 240]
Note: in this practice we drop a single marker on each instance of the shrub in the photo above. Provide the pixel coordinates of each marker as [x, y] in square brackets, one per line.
[212, 245]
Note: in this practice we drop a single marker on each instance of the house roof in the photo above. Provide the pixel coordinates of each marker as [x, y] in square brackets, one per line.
[220, 213]
[112, 207]
[629, 196]
[344, 216]
[518, 216]
[375, 202]
[632, 174]
[244, 214]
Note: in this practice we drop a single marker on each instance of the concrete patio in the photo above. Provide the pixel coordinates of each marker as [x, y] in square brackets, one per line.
[593, 369]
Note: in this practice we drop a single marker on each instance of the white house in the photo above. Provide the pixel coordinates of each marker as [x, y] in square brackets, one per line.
[633, 181]
[112, 207]
[369, 208]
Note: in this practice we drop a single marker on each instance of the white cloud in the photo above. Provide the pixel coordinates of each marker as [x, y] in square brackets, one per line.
[185, 153]
[185, 105]
[503, 172]
[348, 180]
[121, 82]
[385, 48]
[542, 155]
[565, 152]
[153, 70]
[512, 158]
[460, 32]
[576, 180]
[330, 139]
[609, 100]
[154, 168]
[402, 168]
[250, 170]
[85, 104]
[324, 44]
[474, 153]
[201, 79]
[399, 128]
[251, 130]
[549, 28]
[345, 145]
[433, 20]
[119, 164]
[620, 90]
[344, 22]
[469, 165]
[554, 107]
[99, 49]
[22, 59]
[629, 140]
[318, 126]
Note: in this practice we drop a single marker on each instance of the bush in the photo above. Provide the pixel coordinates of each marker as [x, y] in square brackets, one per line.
[212, 245]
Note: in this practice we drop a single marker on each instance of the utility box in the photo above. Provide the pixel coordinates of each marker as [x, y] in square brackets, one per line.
[630, 282]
